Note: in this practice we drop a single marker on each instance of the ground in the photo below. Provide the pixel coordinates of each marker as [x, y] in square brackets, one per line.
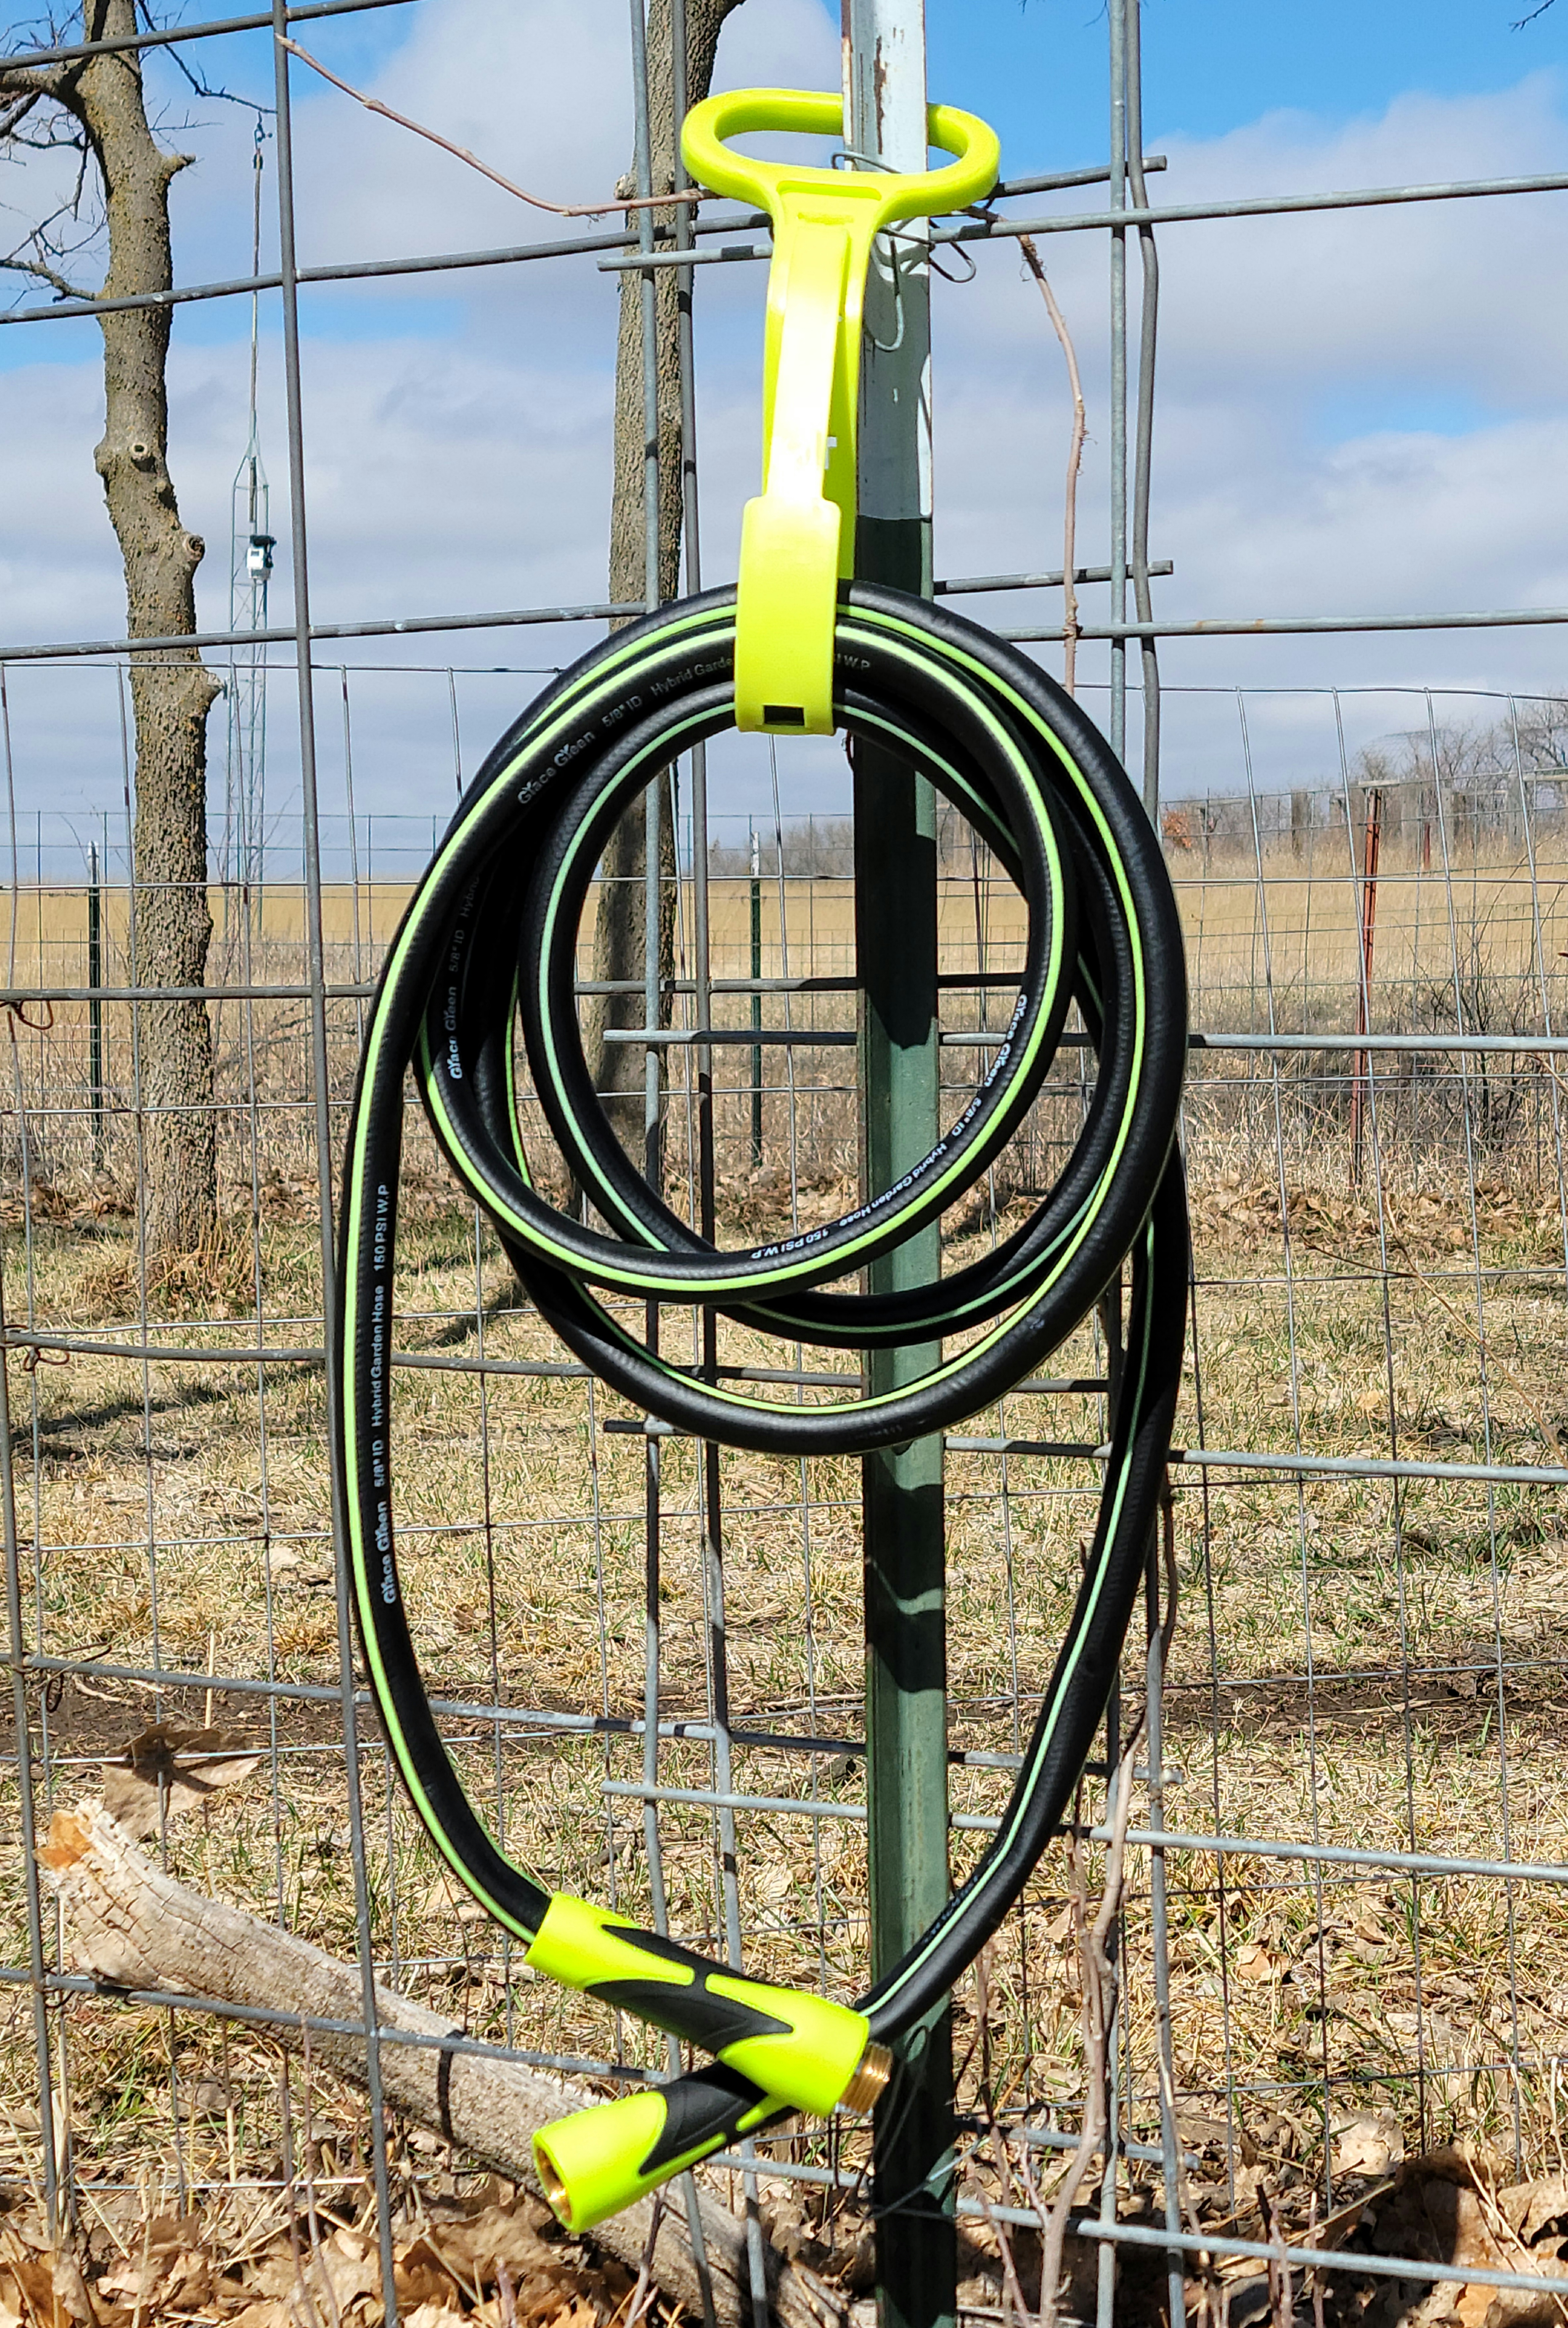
[1379, 1271]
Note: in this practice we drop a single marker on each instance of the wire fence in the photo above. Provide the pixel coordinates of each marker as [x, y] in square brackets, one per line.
[1344, 1938]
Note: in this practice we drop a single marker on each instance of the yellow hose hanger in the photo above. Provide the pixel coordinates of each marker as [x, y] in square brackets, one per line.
[797, 537]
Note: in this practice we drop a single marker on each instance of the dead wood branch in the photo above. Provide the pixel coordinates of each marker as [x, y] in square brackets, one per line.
[1097, 1973]
[135, 1926]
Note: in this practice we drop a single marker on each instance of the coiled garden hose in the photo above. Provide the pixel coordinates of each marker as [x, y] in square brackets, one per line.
[488, 945]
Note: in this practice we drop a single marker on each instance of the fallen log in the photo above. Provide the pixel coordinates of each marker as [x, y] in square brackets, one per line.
[135, 1926]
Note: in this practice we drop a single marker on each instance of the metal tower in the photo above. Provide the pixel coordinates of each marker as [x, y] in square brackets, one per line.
[251, 547]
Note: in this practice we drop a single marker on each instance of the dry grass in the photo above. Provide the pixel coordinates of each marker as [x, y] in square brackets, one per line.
[1357, 1663]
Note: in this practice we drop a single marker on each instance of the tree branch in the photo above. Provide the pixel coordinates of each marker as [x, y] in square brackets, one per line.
[40, 255]
[35, 81]
[49, 137]
[135, 1926]
[31, 81]
[1098, 1978]
[203, 88]
[20, 109]
[42, 272]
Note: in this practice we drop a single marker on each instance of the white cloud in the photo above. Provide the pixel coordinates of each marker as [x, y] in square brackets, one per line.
[1302, 363]
[1358, 411]
[550, 108]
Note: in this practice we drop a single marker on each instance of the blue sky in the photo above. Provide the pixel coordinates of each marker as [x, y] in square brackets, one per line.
[1037, 68]
[1212, 65]
[1360, 412]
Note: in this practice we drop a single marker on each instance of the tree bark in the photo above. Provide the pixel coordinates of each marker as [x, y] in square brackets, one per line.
[171, 689]
[134, 1926]
[620, 920]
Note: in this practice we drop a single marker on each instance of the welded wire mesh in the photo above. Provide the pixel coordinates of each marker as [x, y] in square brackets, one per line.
[1344, 1937]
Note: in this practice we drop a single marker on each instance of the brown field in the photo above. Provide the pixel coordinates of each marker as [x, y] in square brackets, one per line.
[1358, 1661]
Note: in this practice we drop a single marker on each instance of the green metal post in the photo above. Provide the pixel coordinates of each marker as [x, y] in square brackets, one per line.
[896, 944]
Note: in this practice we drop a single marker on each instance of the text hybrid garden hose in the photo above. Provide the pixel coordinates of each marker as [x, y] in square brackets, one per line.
[488, 948]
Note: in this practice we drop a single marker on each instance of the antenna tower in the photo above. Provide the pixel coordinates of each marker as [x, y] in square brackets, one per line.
[251, 547]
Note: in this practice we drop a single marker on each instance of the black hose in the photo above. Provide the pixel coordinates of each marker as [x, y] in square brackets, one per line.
[488, 943]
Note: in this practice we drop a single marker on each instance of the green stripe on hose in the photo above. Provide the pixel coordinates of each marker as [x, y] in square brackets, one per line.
[488, 945]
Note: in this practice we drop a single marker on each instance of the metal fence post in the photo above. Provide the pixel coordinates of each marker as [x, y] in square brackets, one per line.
[1110, 1304]
[322, 1128]
[95, 1006]
[896, 944]
[51, 2159]
[755, 1003]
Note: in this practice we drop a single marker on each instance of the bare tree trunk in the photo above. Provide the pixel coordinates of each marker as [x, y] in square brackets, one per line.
[620, 920]
[171, 690]
[134, 1924]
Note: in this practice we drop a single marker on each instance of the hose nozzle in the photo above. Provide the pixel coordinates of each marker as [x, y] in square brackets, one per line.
[598, 2161]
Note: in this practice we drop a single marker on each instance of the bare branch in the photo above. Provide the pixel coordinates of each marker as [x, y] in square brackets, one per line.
[1097, 1976]
[40, 254]
[49, 137]
[1519, 25]
[42, 272]
[22, 80]
[225, 96]
[19, 110]
[203, 88]
[34, 80]
[537, 201]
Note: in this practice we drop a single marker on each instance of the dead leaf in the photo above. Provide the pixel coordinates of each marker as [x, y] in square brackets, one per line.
[420, 2280]
[1366, 2141]
[44, 2291]
[1531, 2207]
[1446, 2208]
[1253, 1962]
[166, 1770]
[348, 2276]
[69, 1840]
[274, 2313]
[496, 2235]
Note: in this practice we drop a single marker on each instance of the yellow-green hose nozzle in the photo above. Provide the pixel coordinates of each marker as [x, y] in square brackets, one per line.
[598, 2161]
[801, 2051]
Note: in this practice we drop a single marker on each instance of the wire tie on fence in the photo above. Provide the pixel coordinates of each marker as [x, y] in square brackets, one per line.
[18, 1011]
[34, 1355]
[958, 252]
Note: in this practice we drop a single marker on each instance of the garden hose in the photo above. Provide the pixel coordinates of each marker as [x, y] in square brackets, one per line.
[487, 951]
